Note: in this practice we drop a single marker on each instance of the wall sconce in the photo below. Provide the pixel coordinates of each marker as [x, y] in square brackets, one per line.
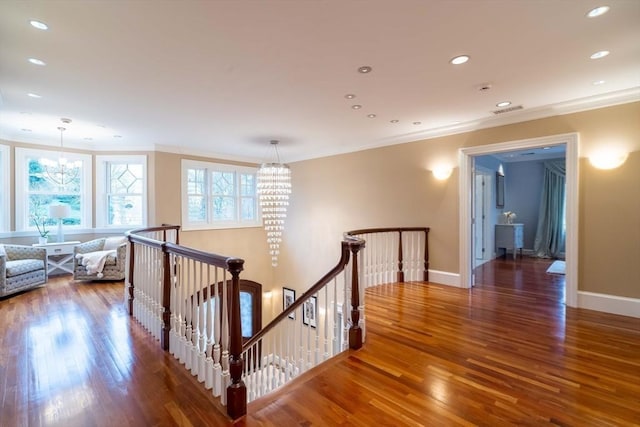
[442, 172]
[608, 159]
[267, 295]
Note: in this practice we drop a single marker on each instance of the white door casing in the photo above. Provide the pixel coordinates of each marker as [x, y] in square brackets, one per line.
[571, 140]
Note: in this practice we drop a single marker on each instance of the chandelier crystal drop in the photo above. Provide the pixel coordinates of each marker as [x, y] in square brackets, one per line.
[274, 188]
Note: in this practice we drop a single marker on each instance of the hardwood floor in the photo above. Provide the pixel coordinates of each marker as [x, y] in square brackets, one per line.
[507, 352]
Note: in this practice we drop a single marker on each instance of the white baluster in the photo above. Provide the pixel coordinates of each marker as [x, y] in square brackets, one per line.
[208, 382]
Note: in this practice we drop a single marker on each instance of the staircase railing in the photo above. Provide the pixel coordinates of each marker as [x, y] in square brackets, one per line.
[394, 254]
[324, 321]
[172, 292]
[190, 301]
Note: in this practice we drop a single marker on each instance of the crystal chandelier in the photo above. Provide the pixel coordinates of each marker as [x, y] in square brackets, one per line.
[61, 172]
[274, 187]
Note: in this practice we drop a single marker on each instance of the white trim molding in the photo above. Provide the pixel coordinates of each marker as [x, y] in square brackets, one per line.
[5, 188]
[623, 306]
[466, 157]
[444, 278]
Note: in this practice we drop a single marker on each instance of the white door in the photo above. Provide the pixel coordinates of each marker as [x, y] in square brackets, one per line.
[481, 205]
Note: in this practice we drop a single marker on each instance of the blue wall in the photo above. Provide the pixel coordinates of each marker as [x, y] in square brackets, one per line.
[523, 189]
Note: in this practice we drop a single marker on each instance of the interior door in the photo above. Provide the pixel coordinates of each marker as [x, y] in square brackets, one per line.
[480, 217]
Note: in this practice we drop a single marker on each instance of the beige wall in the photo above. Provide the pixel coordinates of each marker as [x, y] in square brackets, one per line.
[392, 186]
[247, 243]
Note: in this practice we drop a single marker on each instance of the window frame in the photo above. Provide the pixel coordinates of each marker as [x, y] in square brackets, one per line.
[5, 188]
[102, 221]
[209, 222]
[22, 187]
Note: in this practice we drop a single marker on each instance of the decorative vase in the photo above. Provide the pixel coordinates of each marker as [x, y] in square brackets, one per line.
[42, 240]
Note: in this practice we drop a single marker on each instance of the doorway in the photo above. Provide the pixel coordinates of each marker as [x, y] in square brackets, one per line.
[467, 179]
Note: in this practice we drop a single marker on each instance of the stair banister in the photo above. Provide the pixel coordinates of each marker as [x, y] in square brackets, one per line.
[346, 246]
[236, 394]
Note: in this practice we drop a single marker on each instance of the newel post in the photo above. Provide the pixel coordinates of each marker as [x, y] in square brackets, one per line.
[166, 299]
[131, 266]
[426, 255]
[236, 391]
[400, 266]
[355, 332]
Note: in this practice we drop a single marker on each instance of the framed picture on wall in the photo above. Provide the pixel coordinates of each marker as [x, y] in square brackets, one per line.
[288, 297]
[310, 312]
[499, 190]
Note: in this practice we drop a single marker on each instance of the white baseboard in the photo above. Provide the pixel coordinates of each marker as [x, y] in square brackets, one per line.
[609, 303]
[444, 278]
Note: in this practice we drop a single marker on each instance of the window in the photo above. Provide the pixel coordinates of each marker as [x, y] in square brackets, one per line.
[121, 183]
[218, 196]
[5, 189]
[40, 182]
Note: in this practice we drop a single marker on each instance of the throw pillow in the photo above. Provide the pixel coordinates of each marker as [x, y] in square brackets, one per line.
[111, 243]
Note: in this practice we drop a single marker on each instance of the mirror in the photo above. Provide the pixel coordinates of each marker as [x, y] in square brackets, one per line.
[499, 190]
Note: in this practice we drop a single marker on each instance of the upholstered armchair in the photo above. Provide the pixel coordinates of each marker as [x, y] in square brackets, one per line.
[100, 259]
[21, 268]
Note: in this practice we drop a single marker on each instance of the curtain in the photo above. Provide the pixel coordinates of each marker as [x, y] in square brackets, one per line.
[550, 234]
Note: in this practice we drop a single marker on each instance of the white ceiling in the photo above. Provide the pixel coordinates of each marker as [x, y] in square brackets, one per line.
[222, 78]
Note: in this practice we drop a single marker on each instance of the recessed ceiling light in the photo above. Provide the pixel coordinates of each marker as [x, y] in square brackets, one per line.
[417, 123]
[460, 59]
[349, 96]
[117, 136]
[88, 139]
[365, 69]
[371, 116]
[503, 104]
[25, 130]
[356, 107]
[34, 95]
[600, 54]
[394, 121]
[37, 61]
[598, 82]
[598, 11]
[39, 25]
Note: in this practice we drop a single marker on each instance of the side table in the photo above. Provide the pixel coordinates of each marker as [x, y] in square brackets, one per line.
[58, 254]
[510, 236]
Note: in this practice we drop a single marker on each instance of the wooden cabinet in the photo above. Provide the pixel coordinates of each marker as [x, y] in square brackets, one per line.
[509, 236]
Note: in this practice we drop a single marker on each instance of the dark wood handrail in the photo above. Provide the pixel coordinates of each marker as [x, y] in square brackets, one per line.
[346, 246]
[385, 230]
[400, 230]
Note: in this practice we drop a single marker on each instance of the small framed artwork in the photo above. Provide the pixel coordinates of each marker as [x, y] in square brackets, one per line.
[288, 297]
[499, 190]
[310, 312]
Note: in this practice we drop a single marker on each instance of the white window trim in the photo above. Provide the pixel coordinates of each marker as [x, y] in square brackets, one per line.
[209, 223]
[21, 155]
[5, 189]
[101, 189]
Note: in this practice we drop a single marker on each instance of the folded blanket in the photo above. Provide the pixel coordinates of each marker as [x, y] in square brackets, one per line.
[94, 261]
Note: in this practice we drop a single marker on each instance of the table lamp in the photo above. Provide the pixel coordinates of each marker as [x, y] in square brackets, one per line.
[59, 212]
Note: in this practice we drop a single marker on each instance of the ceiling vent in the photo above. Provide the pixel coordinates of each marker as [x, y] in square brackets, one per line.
[508, 110]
